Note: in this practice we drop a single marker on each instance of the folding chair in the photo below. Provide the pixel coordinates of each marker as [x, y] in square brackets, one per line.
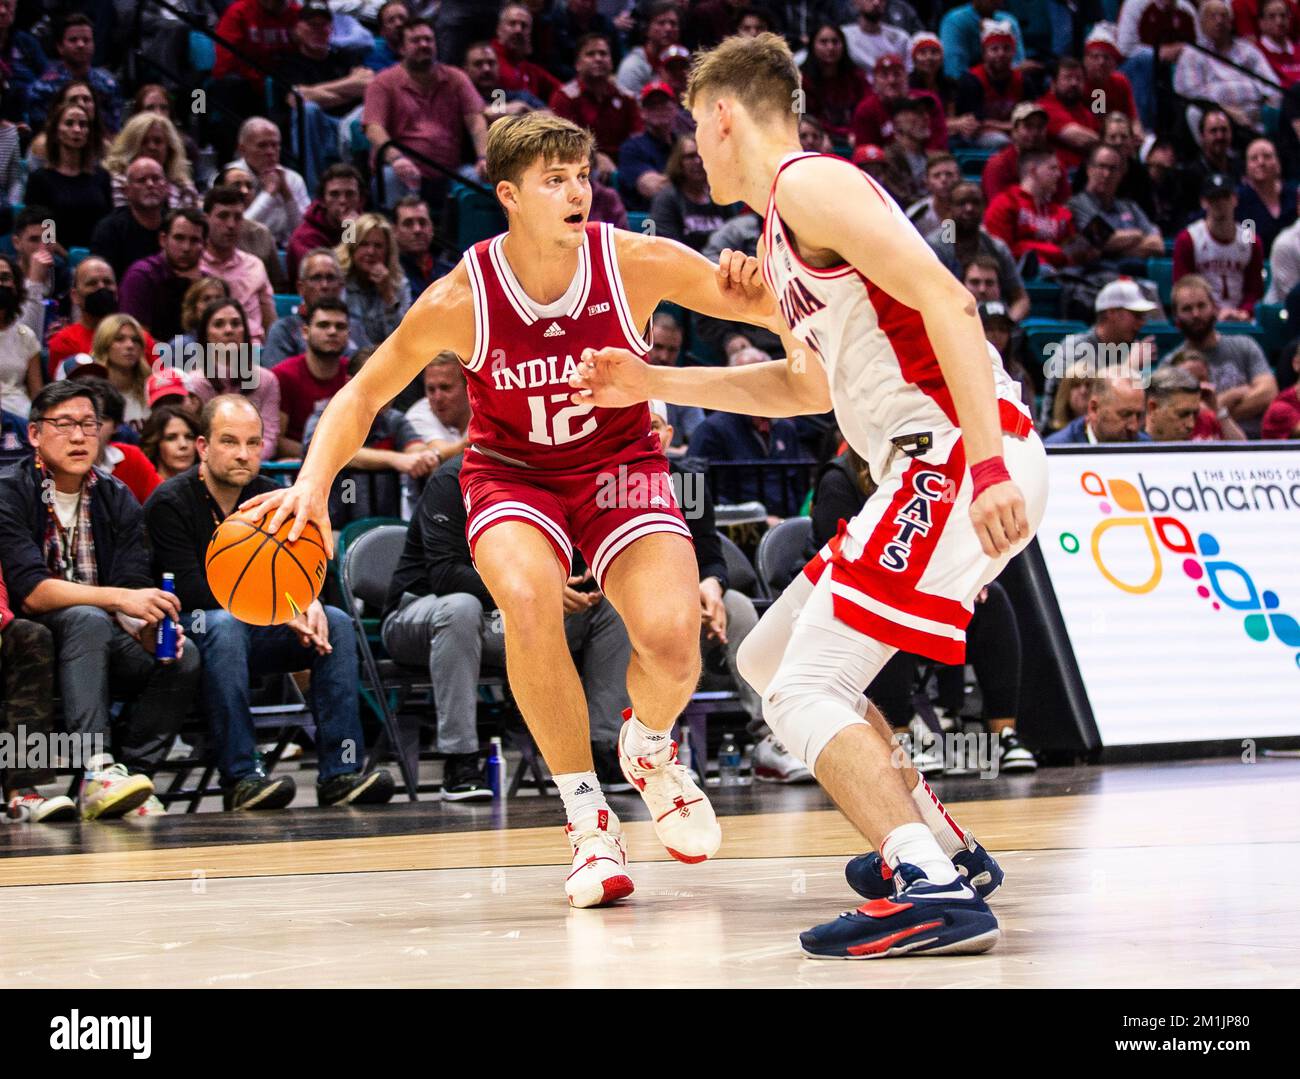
[780, 551]
[368, 553]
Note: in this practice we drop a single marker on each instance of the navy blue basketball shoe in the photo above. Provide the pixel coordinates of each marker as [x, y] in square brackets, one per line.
[871, 878]
[921, 919]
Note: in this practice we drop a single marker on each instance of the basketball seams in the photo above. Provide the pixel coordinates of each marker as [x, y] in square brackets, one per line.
[266, 538]
[253, 530]
[275, 592]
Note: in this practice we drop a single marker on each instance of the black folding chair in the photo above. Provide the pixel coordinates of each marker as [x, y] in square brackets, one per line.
[780, 552]
[369, 551]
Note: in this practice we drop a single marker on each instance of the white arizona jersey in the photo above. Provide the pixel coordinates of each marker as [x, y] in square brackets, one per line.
[884, 377]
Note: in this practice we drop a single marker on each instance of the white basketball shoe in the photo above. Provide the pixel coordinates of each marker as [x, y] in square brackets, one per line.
[599, 874]
[683, 817]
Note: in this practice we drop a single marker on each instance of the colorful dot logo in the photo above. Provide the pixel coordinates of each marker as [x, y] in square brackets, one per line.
[1225, 584]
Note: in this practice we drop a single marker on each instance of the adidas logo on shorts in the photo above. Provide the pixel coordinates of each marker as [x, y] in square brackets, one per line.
[554, 330]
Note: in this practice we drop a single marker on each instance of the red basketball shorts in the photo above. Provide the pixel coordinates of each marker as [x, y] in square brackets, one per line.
[599, 511]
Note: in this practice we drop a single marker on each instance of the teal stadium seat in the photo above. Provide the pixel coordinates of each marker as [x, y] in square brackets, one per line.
[971, 161]
[285, 303]
[76, 254]
[203, 54]
[477, 216]
[636, 220]
[1166, 336]
[1161, 271]
[1044, 298]
[1044, 332]
[1272, 319]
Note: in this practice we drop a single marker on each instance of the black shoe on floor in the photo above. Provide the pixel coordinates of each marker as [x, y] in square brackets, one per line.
[257, 791]
[354, 788]
[612, 780]
[463, 779]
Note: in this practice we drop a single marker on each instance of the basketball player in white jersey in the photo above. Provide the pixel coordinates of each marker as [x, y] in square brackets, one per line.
[543, 475]
[877, 328]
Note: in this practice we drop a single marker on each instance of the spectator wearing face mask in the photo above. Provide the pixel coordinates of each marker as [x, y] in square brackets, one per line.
[94, 298]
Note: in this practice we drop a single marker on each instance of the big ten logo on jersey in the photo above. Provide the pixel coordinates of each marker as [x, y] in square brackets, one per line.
[551, 416]
[915, 518]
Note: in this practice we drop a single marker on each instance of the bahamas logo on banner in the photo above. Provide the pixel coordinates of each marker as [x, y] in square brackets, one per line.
[1137, 544]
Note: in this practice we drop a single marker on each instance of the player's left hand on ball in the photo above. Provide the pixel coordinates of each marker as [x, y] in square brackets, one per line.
[610, 378]
[740, 280]
[999, 518]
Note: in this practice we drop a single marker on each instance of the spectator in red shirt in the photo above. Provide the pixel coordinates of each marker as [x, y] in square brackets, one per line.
[94, 298]
[1072, 127]
[263, 31]
[1277, 24]
[1028, 132]
[484, 71]
[833, 85]
[430, 107]
[1025, 218]
[1282, 417]
[1101, 57]
[873, 122]
[322, 225]
[316, 375]
[513, 45]
[592, 99]
[1248, 16]
[991, 89]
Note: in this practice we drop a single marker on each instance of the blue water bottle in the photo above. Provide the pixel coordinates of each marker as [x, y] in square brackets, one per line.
[166, 643]
[496, 769]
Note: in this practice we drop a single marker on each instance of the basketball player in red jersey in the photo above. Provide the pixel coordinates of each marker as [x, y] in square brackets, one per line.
[543, 475]
[874, 326]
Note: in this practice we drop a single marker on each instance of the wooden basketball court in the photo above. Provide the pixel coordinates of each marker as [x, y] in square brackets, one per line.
[1179, 874]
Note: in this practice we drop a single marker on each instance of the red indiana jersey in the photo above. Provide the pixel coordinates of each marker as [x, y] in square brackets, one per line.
[525, 352]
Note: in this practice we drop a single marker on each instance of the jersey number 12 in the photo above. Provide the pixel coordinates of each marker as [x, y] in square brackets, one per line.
[556, 430]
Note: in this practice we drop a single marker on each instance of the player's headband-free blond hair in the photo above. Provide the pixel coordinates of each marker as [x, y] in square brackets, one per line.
[759, 72]
[515, 142]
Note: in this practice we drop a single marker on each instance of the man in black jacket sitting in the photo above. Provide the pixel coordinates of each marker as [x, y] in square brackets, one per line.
[72, 546]
[181, 516]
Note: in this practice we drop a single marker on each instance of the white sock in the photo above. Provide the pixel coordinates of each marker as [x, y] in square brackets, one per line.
[581, 794]
[640, 741]
[946, 830]
[913, 843]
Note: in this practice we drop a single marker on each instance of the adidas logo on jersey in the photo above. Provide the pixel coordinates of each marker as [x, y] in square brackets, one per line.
[659, 500]
[598, 308]
[554, 330]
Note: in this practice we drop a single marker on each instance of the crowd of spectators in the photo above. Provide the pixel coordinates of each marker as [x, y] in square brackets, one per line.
[273, 219]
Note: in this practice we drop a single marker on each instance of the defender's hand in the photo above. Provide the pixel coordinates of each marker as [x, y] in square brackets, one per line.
[610, 378]
[740, 280]
[300, 502]
[999, 518]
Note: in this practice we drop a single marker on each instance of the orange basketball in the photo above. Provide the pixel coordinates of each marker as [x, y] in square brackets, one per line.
[260, 578]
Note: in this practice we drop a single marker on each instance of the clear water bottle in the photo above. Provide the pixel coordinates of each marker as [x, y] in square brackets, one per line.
[166, 642]
[729, 761]
[684, 748]
[496, 769]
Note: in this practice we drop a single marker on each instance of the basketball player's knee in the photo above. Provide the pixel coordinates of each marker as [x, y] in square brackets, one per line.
[671, 643]
[795, 707]
[757, 661]
[525, 603]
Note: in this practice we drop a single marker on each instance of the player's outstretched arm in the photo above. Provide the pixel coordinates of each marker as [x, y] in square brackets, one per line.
[442, 318]
[656, 268]
[832, 206]
[795, 386]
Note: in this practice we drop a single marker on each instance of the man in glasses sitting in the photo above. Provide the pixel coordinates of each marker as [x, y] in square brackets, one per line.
[73, 550]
